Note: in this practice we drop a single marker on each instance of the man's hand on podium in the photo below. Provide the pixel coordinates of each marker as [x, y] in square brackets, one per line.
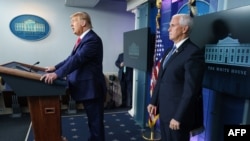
[48, 77]
[50, 69]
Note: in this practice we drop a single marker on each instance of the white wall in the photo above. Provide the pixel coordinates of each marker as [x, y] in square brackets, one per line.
[109, 19]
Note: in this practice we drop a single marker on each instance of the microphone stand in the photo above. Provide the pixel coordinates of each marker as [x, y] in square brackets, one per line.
[31, 67]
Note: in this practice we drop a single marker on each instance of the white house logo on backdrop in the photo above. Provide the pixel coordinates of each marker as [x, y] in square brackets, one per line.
[29, 27]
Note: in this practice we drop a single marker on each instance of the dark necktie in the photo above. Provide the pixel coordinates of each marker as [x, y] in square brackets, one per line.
[77, 43]
[168, 56]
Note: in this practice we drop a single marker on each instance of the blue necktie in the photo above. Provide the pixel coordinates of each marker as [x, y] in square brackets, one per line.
[168, 56]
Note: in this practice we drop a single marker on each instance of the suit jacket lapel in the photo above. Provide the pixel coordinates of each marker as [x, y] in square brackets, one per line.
[176, 53]
[83, 40]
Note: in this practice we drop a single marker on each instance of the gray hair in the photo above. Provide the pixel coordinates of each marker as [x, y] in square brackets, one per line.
[185, 20]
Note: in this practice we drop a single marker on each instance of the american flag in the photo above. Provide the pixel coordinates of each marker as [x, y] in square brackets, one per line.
[158, 53]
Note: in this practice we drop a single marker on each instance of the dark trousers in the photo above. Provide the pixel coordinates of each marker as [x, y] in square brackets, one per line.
[95, 113]
[126, 89]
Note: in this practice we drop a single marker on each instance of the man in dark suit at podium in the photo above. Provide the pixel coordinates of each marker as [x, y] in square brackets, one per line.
[84, 72]
[125, 76]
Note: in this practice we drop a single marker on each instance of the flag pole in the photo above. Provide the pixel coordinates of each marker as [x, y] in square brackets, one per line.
[153, 135]
[154, 72]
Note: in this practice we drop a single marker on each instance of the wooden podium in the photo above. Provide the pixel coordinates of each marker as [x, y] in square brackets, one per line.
[43, 99]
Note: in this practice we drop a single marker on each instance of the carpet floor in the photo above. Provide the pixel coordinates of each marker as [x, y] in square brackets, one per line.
[119, 126]
[13, 129]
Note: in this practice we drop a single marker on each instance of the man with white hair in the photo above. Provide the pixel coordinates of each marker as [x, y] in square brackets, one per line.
[177, 95]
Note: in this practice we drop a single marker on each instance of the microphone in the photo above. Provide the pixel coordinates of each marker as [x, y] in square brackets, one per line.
[31, 67]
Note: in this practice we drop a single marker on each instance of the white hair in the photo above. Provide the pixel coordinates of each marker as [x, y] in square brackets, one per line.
[185, 20]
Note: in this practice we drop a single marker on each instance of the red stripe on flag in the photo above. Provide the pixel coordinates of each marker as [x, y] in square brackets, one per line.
[158, 53]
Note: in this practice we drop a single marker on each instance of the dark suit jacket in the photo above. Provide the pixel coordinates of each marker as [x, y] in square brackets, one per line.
[84, 70]
[129, 71]
[178, 91]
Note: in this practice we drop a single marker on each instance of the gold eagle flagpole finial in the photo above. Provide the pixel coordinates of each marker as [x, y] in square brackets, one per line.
[192, 7]
[158, 5]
